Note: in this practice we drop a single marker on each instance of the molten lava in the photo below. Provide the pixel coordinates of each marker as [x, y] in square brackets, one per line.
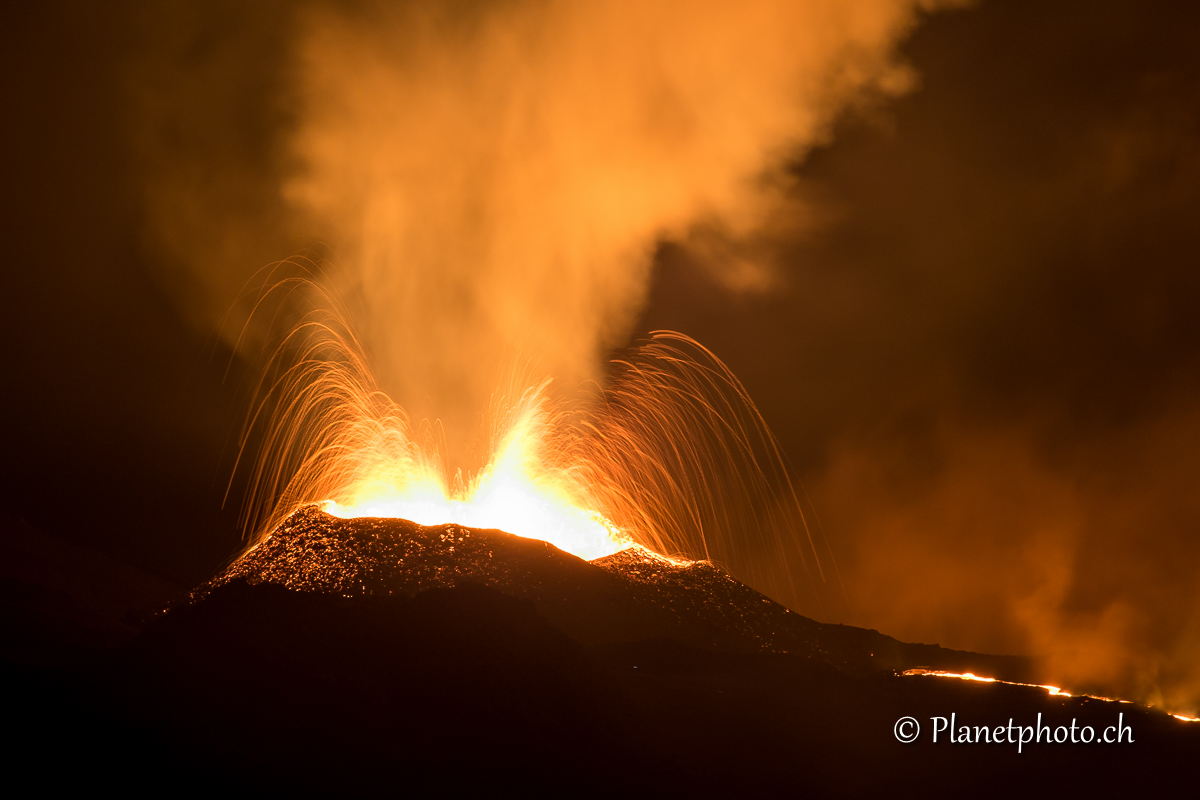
[1053, 691]
[516, 492]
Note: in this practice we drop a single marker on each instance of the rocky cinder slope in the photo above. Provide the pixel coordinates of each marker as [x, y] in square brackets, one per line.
[628, 596]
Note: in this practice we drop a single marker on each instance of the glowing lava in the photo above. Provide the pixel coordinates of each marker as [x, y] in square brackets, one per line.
[1054, 691]
[516, 492]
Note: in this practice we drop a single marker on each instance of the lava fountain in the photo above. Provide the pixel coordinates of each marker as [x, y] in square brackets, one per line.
[671, 456]
[525, 488]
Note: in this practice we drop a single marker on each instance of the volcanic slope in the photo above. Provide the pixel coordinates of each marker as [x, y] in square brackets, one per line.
[371, 657]
[632, 595]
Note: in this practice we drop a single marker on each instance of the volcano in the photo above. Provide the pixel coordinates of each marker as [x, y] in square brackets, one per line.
[371, 656]
[629, 596]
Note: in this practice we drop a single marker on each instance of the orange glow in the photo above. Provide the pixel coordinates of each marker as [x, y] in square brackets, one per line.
[516, 492]
[1054, 691]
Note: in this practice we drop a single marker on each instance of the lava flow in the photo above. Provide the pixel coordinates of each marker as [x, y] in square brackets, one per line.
[970, 676]
[1053, 691]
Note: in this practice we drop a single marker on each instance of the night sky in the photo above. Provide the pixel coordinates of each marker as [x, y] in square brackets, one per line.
[980, 346]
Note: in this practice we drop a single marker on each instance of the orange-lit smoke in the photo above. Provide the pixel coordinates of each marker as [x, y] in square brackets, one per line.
[984, 545]
[494, 177]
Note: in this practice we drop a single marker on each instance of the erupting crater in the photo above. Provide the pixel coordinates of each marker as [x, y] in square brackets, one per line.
[632, 594]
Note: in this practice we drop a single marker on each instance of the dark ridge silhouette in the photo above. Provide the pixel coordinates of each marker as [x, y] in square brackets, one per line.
[627, 596]
[380, 658]
[59, 600]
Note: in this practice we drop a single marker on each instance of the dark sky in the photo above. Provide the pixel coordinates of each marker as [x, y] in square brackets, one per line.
[982, 361]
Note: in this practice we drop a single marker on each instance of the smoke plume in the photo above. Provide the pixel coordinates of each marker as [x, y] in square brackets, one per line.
[494, 177]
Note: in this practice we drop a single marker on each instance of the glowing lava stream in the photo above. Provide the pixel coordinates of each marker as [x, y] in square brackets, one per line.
[1053, 690]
